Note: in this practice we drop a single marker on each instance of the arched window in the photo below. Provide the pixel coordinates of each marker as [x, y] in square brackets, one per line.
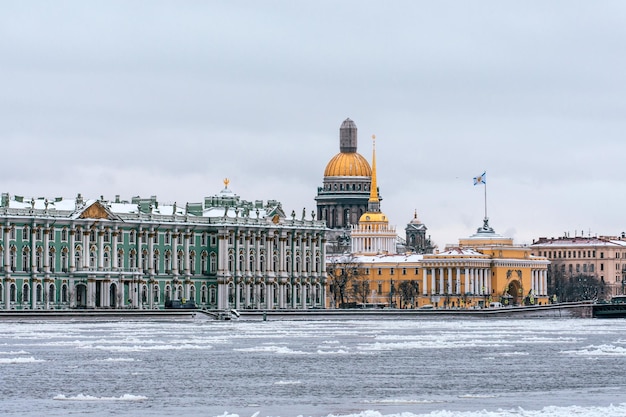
[192, 262]
[155, 293]
[132, 259]
[38, 262]
[38, 293]
[64, 293]
[12, 258]
[168, 292]
[64, 263]
[25, 293]
[213, 263]
[212, 298]
[92, 257]
[51, 263]
[106, 259]
[120, 259]
[155, 261]
[78, 258]
[203, 294]
[203, 264]
[179, 262]
[192, 292]
[13, 293]
[168, 262]
[144, 261]
[25, 259]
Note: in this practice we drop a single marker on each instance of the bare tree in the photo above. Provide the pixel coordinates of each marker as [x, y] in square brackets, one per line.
[360, 289]
[408, 291]
[343, 270]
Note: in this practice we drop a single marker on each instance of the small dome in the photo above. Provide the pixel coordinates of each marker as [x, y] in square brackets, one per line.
[373, 218]
[348, 164]
[415, 220]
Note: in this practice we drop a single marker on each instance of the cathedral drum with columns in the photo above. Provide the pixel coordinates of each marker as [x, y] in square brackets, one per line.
[221, 253]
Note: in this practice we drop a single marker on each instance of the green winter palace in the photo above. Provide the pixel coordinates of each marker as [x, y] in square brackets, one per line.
[222, 253]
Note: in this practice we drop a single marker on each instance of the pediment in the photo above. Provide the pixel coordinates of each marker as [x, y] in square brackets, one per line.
[97, 211]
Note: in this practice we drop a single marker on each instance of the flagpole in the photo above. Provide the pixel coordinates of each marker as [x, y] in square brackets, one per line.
[486, 200]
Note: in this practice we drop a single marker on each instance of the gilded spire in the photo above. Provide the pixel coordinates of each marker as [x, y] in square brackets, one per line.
[374, 186]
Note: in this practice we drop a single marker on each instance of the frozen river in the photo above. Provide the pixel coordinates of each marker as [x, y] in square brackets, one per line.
[370, 368]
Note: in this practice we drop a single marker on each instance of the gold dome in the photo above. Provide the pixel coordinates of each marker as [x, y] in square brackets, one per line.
[348, 164]
[377, 217]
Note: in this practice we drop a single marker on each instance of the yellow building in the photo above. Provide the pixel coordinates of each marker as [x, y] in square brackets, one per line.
[484, 268]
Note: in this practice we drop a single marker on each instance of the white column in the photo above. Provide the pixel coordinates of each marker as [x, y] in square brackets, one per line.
[7, 267]
[46, 250]
[186, 260]
[33, 250]
[113, 254]
[86, 251]
[433, 281]
[449, 289]
[175, 271]
[458, 281]
[425, 282]
[441, 287]
[72, 253]
[467, 281]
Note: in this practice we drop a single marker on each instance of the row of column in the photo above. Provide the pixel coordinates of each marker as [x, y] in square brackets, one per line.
[539, 284]
[477, 281]
[287, 242]
[270, 296]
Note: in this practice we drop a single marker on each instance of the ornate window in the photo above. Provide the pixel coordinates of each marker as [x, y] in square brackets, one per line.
[213, 263]
[64, 293]
[168, 262]
[203, 294]
[192, 262]
[25, 259]
[25, 293]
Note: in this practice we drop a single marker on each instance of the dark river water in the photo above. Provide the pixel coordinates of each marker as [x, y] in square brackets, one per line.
[368, 368]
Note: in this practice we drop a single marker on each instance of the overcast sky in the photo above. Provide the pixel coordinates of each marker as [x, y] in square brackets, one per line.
[168, 98]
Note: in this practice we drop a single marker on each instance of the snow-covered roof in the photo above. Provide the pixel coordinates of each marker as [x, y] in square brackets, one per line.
[376, 259]
[576, 242]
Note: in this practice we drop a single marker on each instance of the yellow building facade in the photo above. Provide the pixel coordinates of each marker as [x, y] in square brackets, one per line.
[482, 269]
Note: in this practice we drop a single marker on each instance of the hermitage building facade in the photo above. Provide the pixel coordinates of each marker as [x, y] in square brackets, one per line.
[97, 254]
